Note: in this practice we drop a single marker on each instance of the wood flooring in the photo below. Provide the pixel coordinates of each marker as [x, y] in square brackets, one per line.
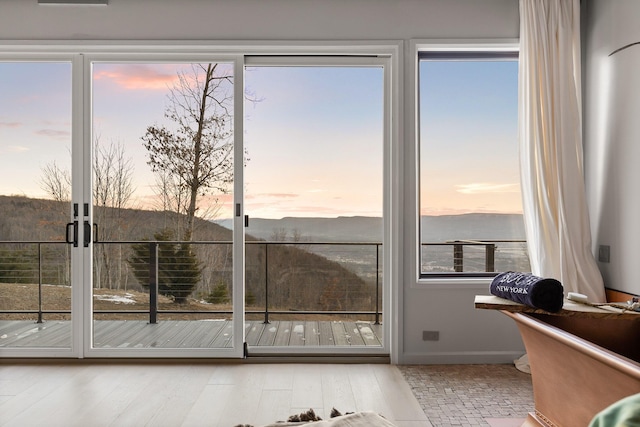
[197, 394]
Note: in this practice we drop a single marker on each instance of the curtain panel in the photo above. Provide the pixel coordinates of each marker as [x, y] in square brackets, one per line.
[551, 156]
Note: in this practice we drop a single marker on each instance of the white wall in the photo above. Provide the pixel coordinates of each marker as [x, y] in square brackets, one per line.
[260, 19]
[466, 335]
[612, 135]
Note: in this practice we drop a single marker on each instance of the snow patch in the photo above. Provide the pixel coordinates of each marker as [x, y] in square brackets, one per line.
[118, 299]
[367, 333]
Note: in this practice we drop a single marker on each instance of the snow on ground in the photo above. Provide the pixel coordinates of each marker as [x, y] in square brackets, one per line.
[118, 299]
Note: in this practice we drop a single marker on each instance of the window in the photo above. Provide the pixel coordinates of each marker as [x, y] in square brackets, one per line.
[470, 204]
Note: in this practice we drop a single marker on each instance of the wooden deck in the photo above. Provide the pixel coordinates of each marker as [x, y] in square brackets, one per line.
[193, 334]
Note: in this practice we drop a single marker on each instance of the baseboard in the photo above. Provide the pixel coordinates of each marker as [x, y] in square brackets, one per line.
[461, 358]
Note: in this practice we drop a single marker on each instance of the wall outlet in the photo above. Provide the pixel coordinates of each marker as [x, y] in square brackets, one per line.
[430, 335]
[604, 253]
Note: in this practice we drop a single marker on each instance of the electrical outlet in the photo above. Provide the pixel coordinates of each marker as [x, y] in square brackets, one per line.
[430, 335]
[604, 253]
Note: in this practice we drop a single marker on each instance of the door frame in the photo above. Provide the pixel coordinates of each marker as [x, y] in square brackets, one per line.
[352, 60]
[82, 53]
[237, 345]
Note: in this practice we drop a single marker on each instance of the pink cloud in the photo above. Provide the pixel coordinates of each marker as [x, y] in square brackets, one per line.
[17, 149]
[10, 125]
[138, 76]
[56, 134]
[277, 195]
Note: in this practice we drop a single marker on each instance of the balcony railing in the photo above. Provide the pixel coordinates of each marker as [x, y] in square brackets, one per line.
[40, 262]
[473, 256]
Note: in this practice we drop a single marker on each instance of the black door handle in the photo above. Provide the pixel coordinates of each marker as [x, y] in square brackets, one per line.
[74, 238]
[87, 233]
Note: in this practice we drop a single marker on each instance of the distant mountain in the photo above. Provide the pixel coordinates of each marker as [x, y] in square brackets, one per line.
[341, 229]
[369, 229]
[474, 226]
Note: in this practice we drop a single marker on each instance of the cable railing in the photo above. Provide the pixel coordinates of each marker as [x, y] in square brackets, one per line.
[26, 263]
[473, 256]
[281, 278]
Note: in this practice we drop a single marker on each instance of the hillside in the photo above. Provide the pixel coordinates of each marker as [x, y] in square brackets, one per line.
[298, 279]
[23, 218]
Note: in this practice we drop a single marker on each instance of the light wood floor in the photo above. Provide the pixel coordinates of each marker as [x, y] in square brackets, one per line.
[198, 394]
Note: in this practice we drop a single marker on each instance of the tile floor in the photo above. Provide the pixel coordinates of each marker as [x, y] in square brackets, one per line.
[471, 395]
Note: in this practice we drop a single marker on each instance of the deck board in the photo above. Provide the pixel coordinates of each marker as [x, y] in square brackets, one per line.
[326, 334]
[296, 337]
[192, 334]
[268, 337]
[339, 334]
[283, 334]
[311, 334]
[353, 333]
[254, 333]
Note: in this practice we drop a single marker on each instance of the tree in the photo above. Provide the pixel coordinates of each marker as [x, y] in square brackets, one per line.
[197, 153]
[56, 182]
[112, 191]
[178, 268]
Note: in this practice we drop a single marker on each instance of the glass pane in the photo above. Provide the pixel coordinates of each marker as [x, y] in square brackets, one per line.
[470, 203]
[314, 194]
[163, 171]
[35, 190]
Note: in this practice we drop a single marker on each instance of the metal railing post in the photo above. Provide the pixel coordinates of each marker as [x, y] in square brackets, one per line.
[490, 258]
[458, 263]
[377, 322]
[153, 282]
[266, 283]
[39, 283]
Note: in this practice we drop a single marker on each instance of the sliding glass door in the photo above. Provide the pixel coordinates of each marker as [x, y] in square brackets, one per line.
[138, 223]
[314, 190]
[36, 224]
[163, 171]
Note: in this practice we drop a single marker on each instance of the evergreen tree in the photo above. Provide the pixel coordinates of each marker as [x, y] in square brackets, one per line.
[178, 267]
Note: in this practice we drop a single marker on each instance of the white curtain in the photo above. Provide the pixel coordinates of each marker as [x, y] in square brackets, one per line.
[550, 132]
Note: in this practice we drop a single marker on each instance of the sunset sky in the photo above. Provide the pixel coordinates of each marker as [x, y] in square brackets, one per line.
[314, 139]
[469, 149]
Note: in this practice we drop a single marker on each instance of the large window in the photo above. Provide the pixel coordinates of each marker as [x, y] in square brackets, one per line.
[470, 203]
[197, 204]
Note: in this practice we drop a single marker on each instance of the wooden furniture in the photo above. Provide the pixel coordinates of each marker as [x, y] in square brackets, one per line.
[582, 359]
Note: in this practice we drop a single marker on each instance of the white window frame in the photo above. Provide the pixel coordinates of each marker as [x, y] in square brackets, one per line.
[81, 54]
[412, 170]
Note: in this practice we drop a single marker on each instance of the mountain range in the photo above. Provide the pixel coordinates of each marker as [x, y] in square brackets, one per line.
[441, 228]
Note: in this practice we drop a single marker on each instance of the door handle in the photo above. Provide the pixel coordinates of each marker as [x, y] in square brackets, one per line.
[87, 233]
[74, 238]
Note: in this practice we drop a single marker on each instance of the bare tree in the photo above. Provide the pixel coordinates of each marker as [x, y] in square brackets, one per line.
[112, 175]
[56, 182]
[197, 152]
[112, 192]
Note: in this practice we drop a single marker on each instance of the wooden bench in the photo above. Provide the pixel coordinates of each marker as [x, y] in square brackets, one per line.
[582, 359]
